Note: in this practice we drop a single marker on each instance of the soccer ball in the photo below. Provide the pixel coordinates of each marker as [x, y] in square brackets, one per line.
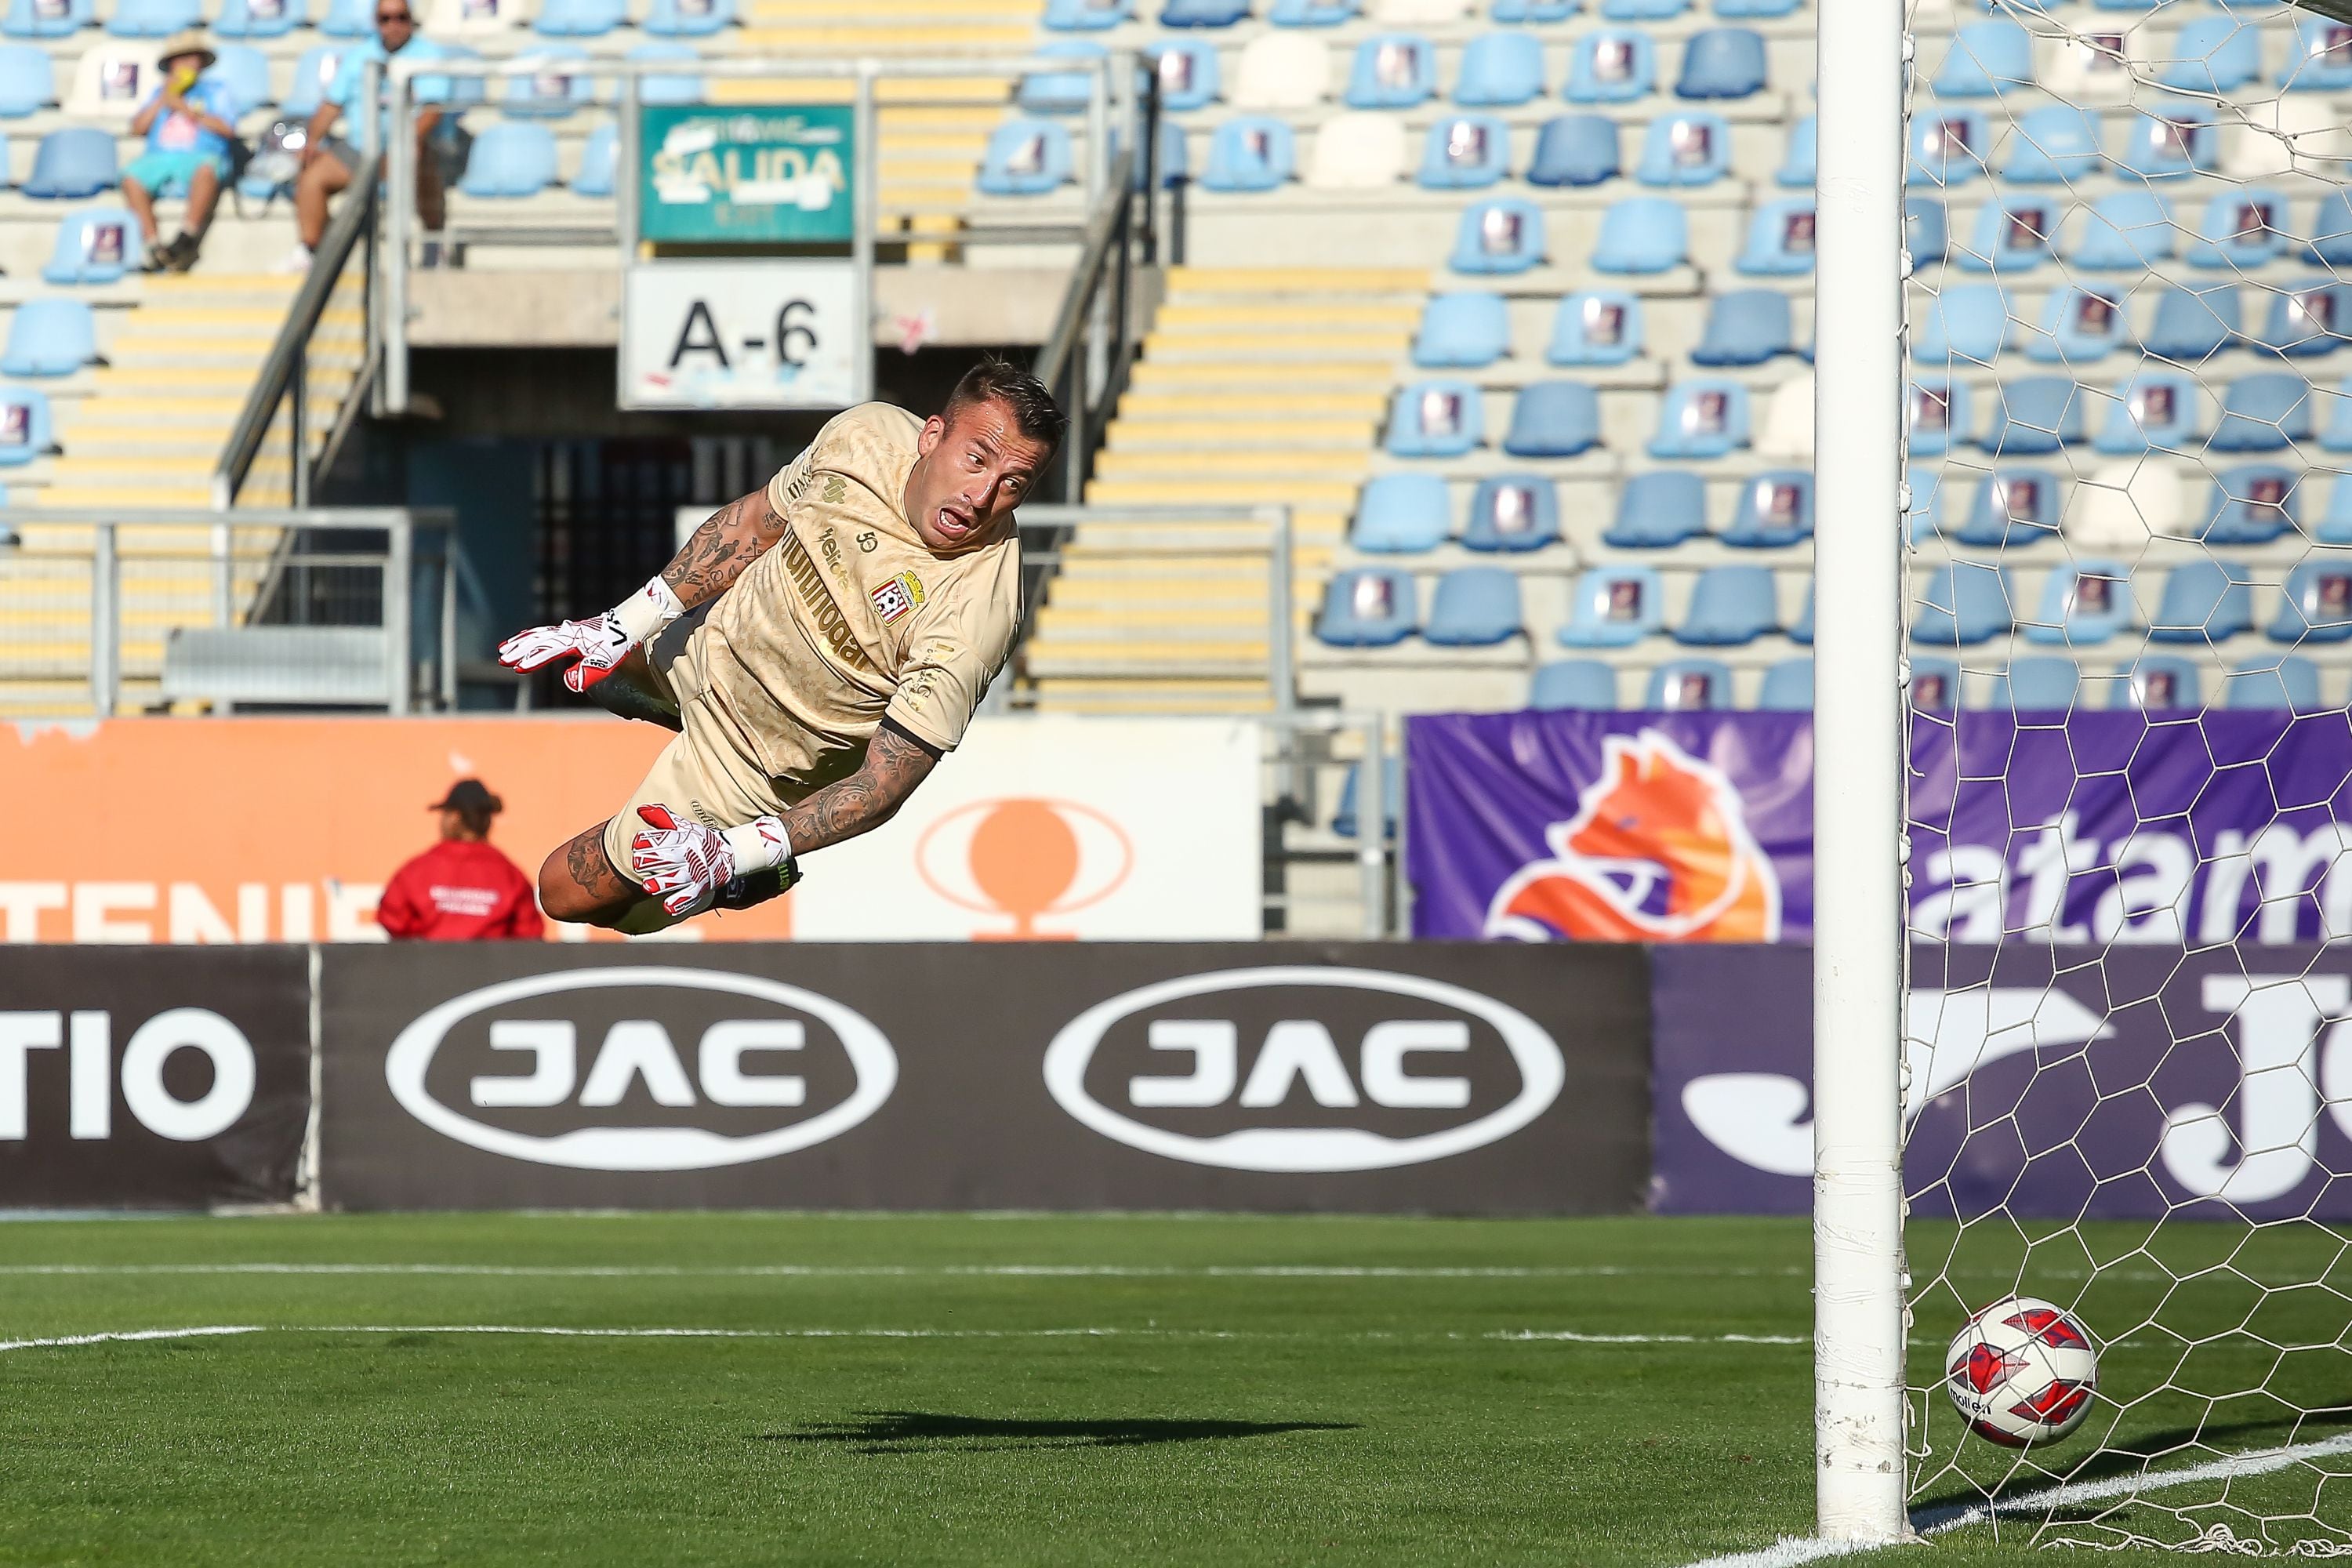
[2022, 1371]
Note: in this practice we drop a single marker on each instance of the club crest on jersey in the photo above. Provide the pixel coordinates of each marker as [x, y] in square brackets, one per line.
[897, 597]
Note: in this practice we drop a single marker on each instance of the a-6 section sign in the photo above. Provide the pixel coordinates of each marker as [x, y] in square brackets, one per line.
[744, 334]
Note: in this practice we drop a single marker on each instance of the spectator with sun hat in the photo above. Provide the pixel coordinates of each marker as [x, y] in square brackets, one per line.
[190, 122]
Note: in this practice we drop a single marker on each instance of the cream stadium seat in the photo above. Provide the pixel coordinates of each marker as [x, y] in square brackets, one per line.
[2282, 135]
[2123, 503]
[112, 80]
[1417, 13]
[1358, 152]
[1282, 70]
[2097, 64]
[1787, 428]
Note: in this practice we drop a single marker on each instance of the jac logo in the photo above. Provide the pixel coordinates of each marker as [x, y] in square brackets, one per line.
[1659, 850]
[1304, 1069]
[590, 1068]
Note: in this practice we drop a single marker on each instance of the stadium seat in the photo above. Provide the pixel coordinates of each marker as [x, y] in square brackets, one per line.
[2316, 606]
[1500, 237]
[2122, 505]
[74, 162]
[2213, 54]
[1574, 685]
[2320, 60]
[2336, 436]
[1418, 12]
[1967, 323]
[448, 20]
[1640, 235]
[2253, 503]
[1500, 70]
[1186, 70]
[1924, 515]
[154, 18]
[1436, 419]
[1948, 147]
[111, 80]
[1614, 65]
[1730, 606]
[1614, 607]
[2010, 235]
[1689, 685]
[1658, 511]
[2079, 326]
[1986, 60]
[1517, 12]
[2192, 325]
[1788, 687]
[1600, 328]
[1935, 685]
[1924, 231]
[688, 18]
[1801, 632]
[1462, 330]
[510, 159]
[1642, 10]
[1204, 13]
[2126, 231]
[42, 19]
[1359, 150]
[1343, 819]
[1746, 326]
[1061, 92]
[1780, 240]
[1466, 151]
[1701, 420]
[50, 336]
[1689, 149]
[1787, 434]
[2203, 601]
[26, 431]
[1935, 415]
[1282, 70]
[2263, 412]
[2156, 683]
[25, 84]
[1575, 149]
[1367, 607]
[1312, 12]
[2182, 142]
[1249, 153]
[353, 19]
[686, 87]
[1393, 70]
[2272, 683]
[92, 247]
[1554, 419]
[244, 70]
[1025, 157]
[1512, 513]
[1755, 10]
[600, 161]
[260, 19]
[2043, 683]
[581, 18]
[1401, 514]
[2057, 144]
[1775, 511]
[2083, 603]
[1800, 159]
[1474, 606]
[1722, 62]
[1082, 15]
[2335, 525]
[2156, 410]
[313, 74]
[1966, 602]
[2011, 506]
[2242, 229]
[2312, 317]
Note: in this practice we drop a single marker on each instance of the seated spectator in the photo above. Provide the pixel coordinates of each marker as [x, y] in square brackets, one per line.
[189, 123]
[461, 889]
[330, 160]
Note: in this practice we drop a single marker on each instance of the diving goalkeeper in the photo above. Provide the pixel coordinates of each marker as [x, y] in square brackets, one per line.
[818, 647]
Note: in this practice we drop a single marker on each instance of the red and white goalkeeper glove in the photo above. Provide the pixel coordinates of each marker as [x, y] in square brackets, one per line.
[686, 865]
[597, 646]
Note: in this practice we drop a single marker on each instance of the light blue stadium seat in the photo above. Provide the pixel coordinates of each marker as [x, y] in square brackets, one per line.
[1800, 158]
[1574, 686]
[688, 18]
[1086, 15]
[1025, 157]
[71, 163]
[1925, 231]
[1704, 418]
[1730, 606]
[579, 18]
[2316, 606]
[1512, 513]
[2203, 601]
[1746, 326]
[354, 19]
[1603, 327]
[244, 71]
[1401, 514]
[1170, 166]
[1464, 153]
[2156, 683]
[1967, 602]
[2253, 503]
[1658, 511]
[1614, 607]
[1935, 685]
[2270, 683]
[2156, 410]
[1313, 13]
[1693, 148]
[2216, 55]
[1986, 60]
[1515, 13]
[1204, 13]
[1188, 72]
[1689, 686]
[313, 73]
[1935, 415]
[25, 84]
[2083, 603]
[1924, 515]
[2335, 525]
[1788, 687]
[1614, 65]
[510, 159]
[2320, 60]
[93, 245]
[1775, 511]
[1252, 153]
[1948, 147]
[260, 19]
[2312, 316]
[1500, 70]
[1802, 633]
[2009, 236]
[2041, 683]
[1967, 323]
[599, 161]
[684, 88]
[2331, 232]
[50, 336]
[1755, 10]
[1575, 149]
[1780, 240]
[1474, 606]
[1554, 419]
[2243, 228]
[2125, 231]
[1343, 819]
[1722, 62]
[2267, 412]
[2336, 436]
[2055, 145]
[1393, 70]
[1462, 330]
[2192, 325]
[26, 431]
[1642, 234]
[1367, 607]
[1500, 237]
[154, 18]
[2183, 140]
[42, 19]
[1642, 10]
[2012, 506]
[1061, 92]
[1436, 419]
[2079, 326]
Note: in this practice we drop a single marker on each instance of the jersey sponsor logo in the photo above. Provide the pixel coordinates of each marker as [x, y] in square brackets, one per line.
[831, 623]
[897, 598]
[800, 484]
[830, 547]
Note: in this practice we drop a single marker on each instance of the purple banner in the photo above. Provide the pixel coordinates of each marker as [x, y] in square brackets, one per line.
[2107, 828]
[2052, 1082]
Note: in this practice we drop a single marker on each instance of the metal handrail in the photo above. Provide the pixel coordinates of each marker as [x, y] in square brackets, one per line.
[1105, 224]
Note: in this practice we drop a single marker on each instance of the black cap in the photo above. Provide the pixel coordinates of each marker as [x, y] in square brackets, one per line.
[468, 794]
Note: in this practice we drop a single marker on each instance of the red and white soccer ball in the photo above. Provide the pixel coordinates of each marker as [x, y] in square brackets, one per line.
[2022, 1371]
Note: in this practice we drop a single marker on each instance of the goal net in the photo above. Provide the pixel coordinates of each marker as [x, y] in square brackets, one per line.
[2128, 1054]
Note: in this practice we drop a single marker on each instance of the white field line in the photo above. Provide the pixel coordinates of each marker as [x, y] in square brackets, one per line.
[893, 1270]
[204, 1331]
[1106, 1332]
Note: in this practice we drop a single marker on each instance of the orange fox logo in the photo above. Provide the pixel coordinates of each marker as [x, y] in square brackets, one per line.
[1658, 816]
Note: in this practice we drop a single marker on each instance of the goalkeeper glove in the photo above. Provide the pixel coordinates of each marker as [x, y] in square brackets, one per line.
[596, 647]
[691, 868]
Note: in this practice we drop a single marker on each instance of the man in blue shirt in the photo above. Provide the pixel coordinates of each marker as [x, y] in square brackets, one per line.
[188, 122]
[329, 161]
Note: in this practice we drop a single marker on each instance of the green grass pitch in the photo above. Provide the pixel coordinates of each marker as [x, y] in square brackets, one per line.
[1042, 1390]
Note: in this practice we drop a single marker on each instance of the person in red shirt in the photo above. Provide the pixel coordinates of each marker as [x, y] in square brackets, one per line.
[461, 889]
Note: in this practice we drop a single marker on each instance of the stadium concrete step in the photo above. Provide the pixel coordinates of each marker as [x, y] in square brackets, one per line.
[1077, 694]
[1353, 435]
[1261, 405]
[1296, 378]
[916, 37]
[1290, 460]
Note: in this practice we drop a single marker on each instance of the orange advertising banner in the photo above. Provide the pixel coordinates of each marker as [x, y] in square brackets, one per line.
[195, 830]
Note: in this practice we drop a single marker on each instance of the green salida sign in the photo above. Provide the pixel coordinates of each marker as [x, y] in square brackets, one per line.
[758, 174]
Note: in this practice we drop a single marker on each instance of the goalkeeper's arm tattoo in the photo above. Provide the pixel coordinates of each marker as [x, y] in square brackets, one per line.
[716, 554]
[866, 799]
